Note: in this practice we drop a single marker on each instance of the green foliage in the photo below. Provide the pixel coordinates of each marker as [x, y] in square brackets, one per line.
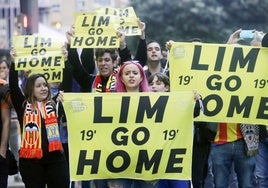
[210, 20]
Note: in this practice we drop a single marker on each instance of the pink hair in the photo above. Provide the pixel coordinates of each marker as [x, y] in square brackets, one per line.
[120, 87]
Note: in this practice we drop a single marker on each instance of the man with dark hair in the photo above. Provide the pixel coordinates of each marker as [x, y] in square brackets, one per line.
[154, 59]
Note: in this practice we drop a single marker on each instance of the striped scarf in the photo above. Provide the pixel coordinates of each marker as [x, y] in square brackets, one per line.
[31, 146]
[110, 85]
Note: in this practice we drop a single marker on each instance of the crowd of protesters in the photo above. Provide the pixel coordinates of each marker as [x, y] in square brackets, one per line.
[44, 161]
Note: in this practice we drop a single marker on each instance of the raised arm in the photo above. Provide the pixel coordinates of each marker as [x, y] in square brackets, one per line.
[123, 50]
[66, 84]
[16, 94]
[264, 41]
[87, 60]
[141, 53]
[80, 74]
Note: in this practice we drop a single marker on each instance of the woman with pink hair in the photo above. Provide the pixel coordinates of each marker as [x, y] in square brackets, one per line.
[131, 78]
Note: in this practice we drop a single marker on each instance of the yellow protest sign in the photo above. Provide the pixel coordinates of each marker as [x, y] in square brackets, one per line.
[130, 135]
[232, 80]
[52, 75]
[95, 31]
[127, 18]
[36, 52]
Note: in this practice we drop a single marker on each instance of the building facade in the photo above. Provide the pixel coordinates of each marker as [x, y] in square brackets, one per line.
[57, 15]
[9, 10]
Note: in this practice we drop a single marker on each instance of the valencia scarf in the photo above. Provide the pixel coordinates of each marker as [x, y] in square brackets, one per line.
[250, 134]
[99, 83]
[31, 146]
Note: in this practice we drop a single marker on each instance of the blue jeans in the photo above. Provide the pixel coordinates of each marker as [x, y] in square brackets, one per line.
[174, 184]
[262, 164]
[224, 155]
[209, 181]
[163, 183]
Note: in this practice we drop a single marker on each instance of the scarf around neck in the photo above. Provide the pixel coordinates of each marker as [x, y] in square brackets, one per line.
[31, 146]
[99, 83]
